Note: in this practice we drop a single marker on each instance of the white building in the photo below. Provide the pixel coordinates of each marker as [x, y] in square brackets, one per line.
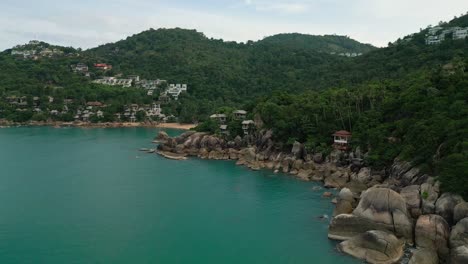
[460, 33]
[176, 89]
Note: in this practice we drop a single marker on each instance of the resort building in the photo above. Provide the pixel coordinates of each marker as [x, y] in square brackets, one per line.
[240, 114]
[341, 140]
[221, 118]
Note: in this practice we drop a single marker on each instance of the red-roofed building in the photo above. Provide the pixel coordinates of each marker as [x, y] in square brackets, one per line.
[103, 66]
[96, 104]
[341, 139]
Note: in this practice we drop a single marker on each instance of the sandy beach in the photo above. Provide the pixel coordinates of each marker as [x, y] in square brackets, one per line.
[4, 123]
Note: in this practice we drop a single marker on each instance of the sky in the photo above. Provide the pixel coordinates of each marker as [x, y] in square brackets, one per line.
[89, 23]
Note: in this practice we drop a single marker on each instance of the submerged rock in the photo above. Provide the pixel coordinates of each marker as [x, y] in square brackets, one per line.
[374, 247]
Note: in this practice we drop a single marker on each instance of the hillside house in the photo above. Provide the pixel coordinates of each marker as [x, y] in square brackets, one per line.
[103, 66]
[240, 114]
[341, 140]
[80, 67]
[221, 118]
[460, 33]
[224, 129]
[176, 89]
[248, 126]
[135, 78]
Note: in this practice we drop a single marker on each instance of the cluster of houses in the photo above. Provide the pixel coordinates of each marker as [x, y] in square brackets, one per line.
[347, 54]
[437, 34]
[85, 112]
[33, 50]
[112, 81]
[175, 90]
[129, 114]
[247, 125]
[22, 105]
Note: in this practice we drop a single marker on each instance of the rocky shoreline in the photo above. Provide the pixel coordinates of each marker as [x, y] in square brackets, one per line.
[378, 213]
[5, 123]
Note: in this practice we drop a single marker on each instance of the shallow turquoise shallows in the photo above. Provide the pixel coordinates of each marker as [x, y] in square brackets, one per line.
[89, 196]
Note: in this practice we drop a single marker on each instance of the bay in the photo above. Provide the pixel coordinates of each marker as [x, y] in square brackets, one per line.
[73, 195]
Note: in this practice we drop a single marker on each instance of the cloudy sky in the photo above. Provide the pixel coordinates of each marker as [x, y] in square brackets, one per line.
[88, 23]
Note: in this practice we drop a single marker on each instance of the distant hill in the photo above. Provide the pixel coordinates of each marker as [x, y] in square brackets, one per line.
[326, 43]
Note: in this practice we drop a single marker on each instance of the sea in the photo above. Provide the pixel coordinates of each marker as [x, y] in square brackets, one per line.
[77, 195]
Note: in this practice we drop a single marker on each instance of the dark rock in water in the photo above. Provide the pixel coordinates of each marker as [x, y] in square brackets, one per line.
[460, 212]
[424, 256]
[327, 194]
[374, 247]
[445, 206]
[432, 233]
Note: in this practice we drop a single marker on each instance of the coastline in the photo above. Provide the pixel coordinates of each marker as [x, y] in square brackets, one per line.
[396, 207]
[5, 124]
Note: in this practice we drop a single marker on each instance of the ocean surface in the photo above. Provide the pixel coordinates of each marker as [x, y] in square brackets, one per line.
[73, 195]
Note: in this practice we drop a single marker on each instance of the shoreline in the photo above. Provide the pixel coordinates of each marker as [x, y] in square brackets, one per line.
[366, 199]
[6, 124]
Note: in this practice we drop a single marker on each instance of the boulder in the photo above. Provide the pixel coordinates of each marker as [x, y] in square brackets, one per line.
[459, 255]
[304, 175]
[387, 209]
[162, 136]
[248, 154]
[445, 206]
[424, 256]
[327, 194]
[432, 233]
[336, 180]
[346, 195]
[399, 168]
[460, 212]
[318, 158]
[374, 247]
[378, 209]
[459, 234]
[413, 199]
[233, 154]
[297, 164]
[343, 207]
[364, 175]
[297, 150]
[179, 149]
[429, 195]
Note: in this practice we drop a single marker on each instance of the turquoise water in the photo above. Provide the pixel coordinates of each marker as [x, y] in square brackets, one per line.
[88, 196]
